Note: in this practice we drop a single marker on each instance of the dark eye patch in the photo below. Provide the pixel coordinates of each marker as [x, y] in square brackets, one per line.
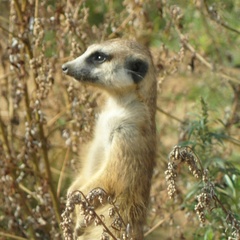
[98, 58]
[137, 68]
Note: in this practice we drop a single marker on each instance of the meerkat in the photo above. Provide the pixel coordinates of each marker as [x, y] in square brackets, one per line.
[121, 157]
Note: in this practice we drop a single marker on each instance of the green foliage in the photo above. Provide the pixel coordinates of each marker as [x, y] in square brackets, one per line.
[208, 144]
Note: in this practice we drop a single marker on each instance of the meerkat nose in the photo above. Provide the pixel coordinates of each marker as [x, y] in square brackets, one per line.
[65, 68]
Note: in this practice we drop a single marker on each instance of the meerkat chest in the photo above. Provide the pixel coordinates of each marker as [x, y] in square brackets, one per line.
[108, 122]
[115, 124]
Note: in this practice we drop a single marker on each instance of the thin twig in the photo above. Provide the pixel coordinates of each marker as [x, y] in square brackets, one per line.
[213, 68]
[48, 172]
[154, 227]
[9, 32]
[99, 218]
[169, 115]
[120, 217]
[122, 26]
[52, 121]
[4, 136]
[198, 56]
[8, 235]
[18, 9]
[6, 74]
[62, 172]
[218, 21]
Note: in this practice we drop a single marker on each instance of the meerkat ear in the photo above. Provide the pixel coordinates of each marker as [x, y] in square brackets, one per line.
[137, 68]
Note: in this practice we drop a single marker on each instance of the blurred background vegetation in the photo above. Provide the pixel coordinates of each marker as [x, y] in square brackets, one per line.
[45, 117]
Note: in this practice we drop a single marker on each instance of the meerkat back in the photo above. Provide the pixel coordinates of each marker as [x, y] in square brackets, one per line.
[120, 159]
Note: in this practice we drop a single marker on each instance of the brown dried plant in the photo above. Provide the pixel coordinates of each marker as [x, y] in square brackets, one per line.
[207, 199]
[90, 217]
[45, 117]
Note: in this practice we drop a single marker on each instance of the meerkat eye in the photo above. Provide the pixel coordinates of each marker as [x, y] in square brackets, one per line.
[98, 57]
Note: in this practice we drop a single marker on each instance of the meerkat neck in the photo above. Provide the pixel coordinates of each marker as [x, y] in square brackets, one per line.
[123, 100]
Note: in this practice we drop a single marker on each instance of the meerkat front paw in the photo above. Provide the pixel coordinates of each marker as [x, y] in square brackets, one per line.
[76, 186]
[79, 229]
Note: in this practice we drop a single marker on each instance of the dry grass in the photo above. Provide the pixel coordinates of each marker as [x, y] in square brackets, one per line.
[45, 117]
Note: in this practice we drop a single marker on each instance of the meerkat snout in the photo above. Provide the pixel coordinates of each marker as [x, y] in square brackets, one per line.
[65, 68]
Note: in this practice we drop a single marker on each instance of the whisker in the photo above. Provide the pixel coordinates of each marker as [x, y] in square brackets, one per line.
[130, 71]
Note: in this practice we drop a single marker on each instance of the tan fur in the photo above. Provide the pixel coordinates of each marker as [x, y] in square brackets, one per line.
[120, 158]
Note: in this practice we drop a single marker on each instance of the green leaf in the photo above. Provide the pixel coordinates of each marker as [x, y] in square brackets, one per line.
[209, 234]
[230, 183]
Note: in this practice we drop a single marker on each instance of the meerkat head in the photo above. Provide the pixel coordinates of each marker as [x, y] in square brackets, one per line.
[115, 65]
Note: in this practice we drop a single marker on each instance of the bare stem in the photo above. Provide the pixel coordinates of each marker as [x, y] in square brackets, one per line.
[99, 218]
[154, 227]
[11, 236]
[169, 115]
[48, 172]
[4, 136]
[221, 23]
[120, 217]
[62, 172]
[9, 32]
[219, 72]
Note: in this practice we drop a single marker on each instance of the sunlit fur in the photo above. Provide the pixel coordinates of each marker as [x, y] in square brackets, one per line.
[120, 158]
